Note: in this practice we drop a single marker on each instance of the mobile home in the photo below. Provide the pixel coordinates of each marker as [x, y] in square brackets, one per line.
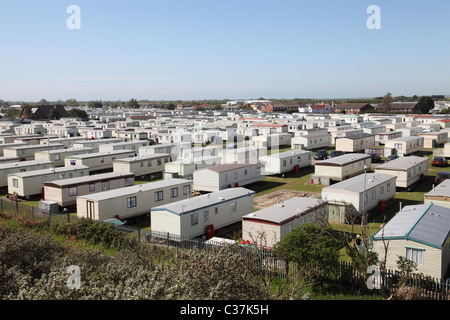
[142, 165]
[26, 153]
[419, 233]
[272, 141]
[288, 161]
[268, 226]
[341, 167]
[311, 141]
[57, 156]
[439, 195]
[405, 145]
[65, 192]
[229, 175]
[22, 166]
[185, 168]
[198, 216]
[128, 145]
[409, 170]
[434, 139]
[98, 161]
[356, 143]
[132, 201]
[359, 194]
[94, 144]
[32, 182]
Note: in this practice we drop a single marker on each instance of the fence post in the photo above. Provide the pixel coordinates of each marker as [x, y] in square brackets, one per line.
[68, 217]
[1, 204]
[17, 208]
[167, 239]
[32, 213]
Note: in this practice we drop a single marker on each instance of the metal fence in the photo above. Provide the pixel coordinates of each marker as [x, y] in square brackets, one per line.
[264, 262]
[32, 213]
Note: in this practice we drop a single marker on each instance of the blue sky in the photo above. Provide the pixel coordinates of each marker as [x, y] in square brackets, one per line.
[209, 49]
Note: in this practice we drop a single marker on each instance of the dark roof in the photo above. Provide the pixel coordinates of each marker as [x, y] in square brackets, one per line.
[353, 105]
[43, 111]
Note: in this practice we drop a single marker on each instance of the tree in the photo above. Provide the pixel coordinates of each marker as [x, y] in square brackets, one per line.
[43, 102]
[311, 248]
[54, 115]
[79, 114]
[95, 104]
[425, 103]
[133, 104]
[12, 113]
[386, 103]
[170, 106]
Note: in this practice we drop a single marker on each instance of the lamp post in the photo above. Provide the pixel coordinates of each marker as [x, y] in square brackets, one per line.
[364, 197]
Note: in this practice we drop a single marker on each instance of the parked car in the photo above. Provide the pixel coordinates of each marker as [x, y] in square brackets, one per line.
[336, 153]
[321, 155]
[392, 157]
[441, 176]
[439, 162]
[375, 157]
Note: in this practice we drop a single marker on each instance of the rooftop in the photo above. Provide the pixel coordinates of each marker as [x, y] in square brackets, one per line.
[402, 163]
[210, 199]
[425, 223]
[285, 210]
[356, 184]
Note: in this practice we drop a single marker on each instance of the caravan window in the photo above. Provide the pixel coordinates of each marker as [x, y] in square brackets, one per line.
[174, 192]
[129, 182]
[159, 196]
[131, 202]
[72, 192]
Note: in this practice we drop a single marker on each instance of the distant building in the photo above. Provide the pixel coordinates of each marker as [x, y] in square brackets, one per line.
[41, 112]
[352, 108]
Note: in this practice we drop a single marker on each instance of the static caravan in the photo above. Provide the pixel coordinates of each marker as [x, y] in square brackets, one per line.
[200, 152]
[132, 201]
[288, 161]
[94, 144]
[185, 168]
[142, 165]
[32, 182]
[345, 134]
[409, 170]
[199, 215]
[311, 141]
[175, 150]
[57, 156]
[98, 161]
[10, 138]
[26, 153]
[228, 175]
[33, 139]
[268, 226]
[67, 142]
[243, 154]
[355, 143]
[410, 131]
[7, 145]
[405, 145]
[22, 166]
[381, 138]
[439, 195]
[446, 151]
[9, 159]
[65, 192]
[434, 139]
[132, 135]
[374, 129]
[341, 167]
[128, 145]
[421, 234]
[359, 194]
[272, 141]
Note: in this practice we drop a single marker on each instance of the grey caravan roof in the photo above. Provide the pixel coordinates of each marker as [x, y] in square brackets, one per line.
[425, 223]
